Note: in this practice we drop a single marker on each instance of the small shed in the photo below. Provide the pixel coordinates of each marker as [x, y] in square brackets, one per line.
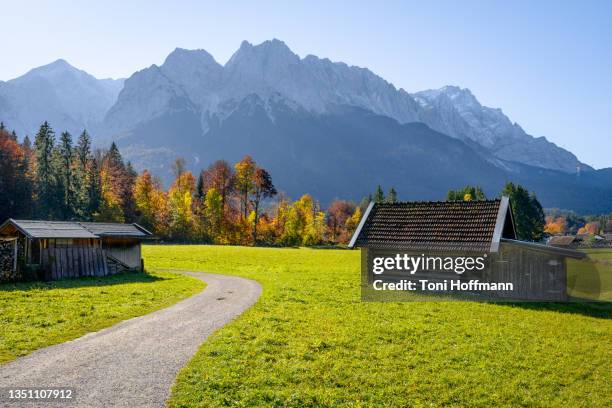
[64, 249]
[563, 241]
[459, 229]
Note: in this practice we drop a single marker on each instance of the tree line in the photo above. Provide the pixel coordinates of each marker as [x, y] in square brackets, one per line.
[60, 179]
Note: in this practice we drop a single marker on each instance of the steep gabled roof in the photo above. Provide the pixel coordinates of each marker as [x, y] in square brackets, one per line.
[436, 225]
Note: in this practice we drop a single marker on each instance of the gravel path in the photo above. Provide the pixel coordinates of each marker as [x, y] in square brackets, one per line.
[134, 363]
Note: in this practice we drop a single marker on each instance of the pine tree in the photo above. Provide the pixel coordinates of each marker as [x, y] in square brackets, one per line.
[44, 177]
[200, 193]
[94, 191]
[66, 175]
[392, 196]
[379, 195]
[527, 212]
[82, 177]
[127, 196]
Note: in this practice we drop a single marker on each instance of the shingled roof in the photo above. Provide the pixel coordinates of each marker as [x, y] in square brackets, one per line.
[436, 225]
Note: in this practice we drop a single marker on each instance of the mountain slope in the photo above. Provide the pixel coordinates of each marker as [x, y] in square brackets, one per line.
[346, 152]
[70, 99]
[272, 70]
[456, 112]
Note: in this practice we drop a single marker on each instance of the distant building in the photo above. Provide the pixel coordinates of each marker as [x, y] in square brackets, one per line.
[563, 241]
[66, 249]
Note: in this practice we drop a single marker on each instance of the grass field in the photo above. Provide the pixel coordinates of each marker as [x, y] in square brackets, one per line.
[591, 278]
[35, 315]
[311, 342]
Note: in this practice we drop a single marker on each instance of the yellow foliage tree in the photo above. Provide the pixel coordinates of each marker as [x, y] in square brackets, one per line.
[180, 197]
[555, 226]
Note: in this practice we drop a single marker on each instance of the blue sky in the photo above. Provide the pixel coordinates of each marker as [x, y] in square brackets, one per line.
[547, 64]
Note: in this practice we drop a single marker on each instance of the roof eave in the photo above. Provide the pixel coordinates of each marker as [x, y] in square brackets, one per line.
[504, 206]
[143, 229]
[361, 224]
[12, 221]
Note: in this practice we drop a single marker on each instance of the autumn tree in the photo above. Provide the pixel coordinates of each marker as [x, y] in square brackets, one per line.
[304, 224]
[338, 213]
[262, 189]
[590, 228]
[527, 212]
[555, 226]
[245, 169]
[353, 221]
[150, 202]
[219, 176]
[15, 185]
[116, 181]
[180, 199]
[213, 212]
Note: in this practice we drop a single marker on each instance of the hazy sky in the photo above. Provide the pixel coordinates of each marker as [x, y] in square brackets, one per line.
[548, 65]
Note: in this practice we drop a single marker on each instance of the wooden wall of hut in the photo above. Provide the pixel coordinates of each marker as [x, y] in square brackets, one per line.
[125, 250]
[73, 262]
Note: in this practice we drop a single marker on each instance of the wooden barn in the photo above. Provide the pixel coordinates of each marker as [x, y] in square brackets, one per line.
[463, 229]
[66, 249]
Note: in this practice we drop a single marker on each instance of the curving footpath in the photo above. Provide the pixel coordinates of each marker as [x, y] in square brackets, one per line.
[134, 363]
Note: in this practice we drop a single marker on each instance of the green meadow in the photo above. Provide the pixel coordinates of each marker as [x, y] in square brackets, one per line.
[37, 314]
[591, 278]
[310, 342]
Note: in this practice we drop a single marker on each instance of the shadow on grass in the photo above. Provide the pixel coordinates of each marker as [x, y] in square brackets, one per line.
[117, 279]
[587, 308]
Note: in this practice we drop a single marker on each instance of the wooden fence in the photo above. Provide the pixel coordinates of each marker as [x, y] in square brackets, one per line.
[73, 262]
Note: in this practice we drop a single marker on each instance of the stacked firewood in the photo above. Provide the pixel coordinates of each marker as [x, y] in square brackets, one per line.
[7, 260]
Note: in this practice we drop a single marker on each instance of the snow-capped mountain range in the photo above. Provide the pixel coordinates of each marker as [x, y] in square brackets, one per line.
[268, 99]
[272, 70]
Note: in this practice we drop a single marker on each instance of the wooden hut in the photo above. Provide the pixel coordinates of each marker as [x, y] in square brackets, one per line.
[64, 249]
[462, 229]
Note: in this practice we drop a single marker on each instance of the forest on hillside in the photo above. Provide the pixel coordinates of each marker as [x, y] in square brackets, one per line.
[57, 179]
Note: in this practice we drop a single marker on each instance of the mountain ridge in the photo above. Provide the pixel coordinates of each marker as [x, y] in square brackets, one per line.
[58, 93]
[313, 113]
